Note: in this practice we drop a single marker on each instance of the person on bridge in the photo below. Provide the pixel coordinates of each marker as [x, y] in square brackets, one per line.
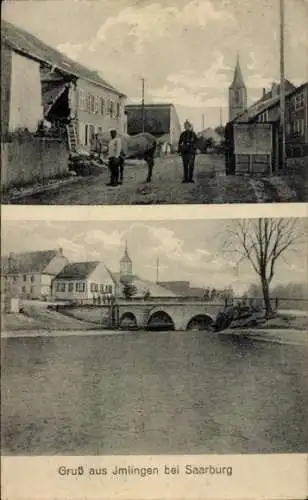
[114, 157]
[187, 149]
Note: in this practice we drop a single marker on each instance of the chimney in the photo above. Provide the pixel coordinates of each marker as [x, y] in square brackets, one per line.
[274, 89]
[264, 91]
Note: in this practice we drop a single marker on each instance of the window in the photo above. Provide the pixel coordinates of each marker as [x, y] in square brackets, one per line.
[32, 279]
[86, 135]
[71, 287]
[92, 103]
[23, 289]
[80, 287]
[97, 103]
[102, 106]
[118, 109]
[299, 101]
[88, 106]
[32, 290]
[94, 287]
[25, 277]
[82, 99]
[14, 278]
[60, 287]
[109, 288]
[102, 289]
[111, 109]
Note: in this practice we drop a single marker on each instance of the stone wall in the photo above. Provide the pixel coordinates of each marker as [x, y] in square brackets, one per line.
[27, 160]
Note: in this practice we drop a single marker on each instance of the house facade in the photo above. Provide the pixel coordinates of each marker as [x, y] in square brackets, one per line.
[83, 281]
[29, 275]
[21, 95]
[160, 120]
[296, 116]
[267, 109]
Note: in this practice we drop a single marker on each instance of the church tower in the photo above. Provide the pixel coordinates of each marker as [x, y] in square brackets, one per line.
[126, 266]
[237, 92]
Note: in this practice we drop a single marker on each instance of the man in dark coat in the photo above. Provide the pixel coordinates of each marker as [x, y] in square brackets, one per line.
[149, 159]
[187, 149]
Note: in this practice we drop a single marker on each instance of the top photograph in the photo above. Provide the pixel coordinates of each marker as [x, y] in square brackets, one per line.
[140, 102]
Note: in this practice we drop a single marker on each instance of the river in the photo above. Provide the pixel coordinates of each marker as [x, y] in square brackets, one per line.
[159, 392]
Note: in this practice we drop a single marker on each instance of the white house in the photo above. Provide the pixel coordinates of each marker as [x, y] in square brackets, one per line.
[29, 275]
[83, 281]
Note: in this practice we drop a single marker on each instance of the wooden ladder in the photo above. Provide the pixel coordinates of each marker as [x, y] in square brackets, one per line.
[72, 137]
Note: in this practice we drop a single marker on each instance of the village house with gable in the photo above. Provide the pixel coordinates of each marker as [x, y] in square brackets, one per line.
[29, 275]
[81, 281]
[40, 83]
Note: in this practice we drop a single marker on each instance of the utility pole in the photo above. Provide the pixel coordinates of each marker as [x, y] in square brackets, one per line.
[157, 269]
[142, 104]
[282, 86]
[203, 122]
[220, 116]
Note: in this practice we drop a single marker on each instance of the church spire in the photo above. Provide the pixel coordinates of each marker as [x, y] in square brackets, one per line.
[238, 79]
[126, 264]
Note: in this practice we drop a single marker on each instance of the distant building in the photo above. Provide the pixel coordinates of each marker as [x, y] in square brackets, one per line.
[160, 120]
[80, 281]
[39, 81]
[29, 275]
[142, 286]
[237, 93]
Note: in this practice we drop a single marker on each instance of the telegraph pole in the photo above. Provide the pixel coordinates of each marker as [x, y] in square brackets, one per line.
[142, 104]
[282, 86]
[220, 116]
[157, 269]
[203, 122]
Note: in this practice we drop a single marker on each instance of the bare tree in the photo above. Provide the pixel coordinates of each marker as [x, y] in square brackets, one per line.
[262, 242]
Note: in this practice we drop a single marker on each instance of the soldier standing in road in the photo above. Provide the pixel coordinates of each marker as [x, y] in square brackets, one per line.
[187, 149]
[114, 157]
[149, 159]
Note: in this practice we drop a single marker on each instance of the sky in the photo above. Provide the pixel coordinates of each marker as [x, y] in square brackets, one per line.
[191, 250]
[185, 49]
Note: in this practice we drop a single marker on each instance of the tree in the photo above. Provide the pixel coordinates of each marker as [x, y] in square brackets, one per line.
[262, 242]
[129, 290]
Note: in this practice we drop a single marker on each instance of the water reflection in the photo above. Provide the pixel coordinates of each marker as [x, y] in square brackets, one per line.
[153, 392]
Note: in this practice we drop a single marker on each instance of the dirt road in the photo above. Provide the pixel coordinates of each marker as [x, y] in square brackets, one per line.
[211, 186]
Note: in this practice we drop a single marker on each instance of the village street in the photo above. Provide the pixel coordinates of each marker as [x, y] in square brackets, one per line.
[211, 186]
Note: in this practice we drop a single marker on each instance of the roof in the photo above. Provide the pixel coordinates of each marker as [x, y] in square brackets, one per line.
[29, 262]
[78, 270]
[176, 287]
[238, 79]
[29, 45]
[262, 105]
[143, 286]
[151, 105]
[269, 94]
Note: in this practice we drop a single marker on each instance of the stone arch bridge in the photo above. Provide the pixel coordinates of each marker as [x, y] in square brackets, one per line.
[172, 315]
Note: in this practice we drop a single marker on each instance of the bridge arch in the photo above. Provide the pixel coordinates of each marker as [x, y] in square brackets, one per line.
[201, 322]
[160, 320]
[128, 320]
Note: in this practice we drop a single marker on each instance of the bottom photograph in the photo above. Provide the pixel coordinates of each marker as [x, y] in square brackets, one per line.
[154, 337]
